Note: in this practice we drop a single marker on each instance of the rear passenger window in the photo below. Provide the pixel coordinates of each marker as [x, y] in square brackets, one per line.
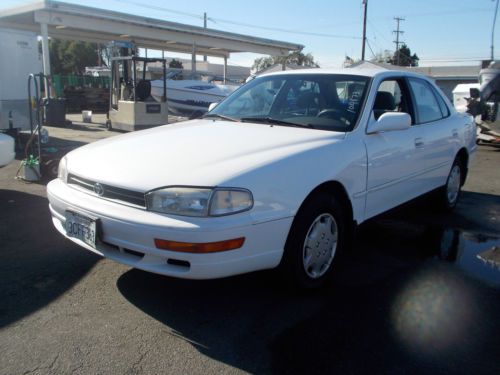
[444, 108]
[427, 106]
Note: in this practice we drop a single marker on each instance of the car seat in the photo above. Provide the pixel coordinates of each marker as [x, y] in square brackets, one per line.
[384, 102]
[143, 90]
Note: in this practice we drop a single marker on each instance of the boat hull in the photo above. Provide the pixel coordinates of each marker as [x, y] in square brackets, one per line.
[188, 97]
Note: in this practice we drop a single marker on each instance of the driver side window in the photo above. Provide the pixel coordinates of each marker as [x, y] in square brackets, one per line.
[390, 98]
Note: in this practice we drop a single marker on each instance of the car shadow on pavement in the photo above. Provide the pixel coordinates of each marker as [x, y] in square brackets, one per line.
[37, 265]
[94, 127]
[400, 302]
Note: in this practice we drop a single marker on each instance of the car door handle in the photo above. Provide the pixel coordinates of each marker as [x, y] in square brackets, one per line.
[454, 133]
[419, 142]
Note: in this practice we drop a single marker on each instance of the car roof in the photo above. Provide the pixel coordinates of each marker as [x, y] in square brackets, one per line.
[364, 72]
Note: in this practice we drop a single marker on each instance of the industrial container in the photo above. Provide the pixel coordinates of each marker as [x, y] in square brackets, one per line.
[7, 152]
[18, 59]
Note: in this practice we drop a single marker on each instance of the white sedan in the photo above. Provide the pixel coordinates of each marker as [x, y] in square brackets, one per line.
[278, 174]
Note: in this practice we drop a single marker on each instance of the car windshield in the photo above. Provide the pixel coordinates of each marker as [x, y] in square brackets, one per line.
[317, 101]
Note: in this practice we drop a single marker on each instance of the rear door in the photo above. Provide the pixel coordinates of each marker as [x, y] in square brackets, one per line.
[441, 131]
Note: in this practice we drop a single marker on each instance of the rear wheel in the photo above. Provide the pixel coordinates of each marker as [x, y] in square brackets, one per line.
[316, 238]
[450, 193]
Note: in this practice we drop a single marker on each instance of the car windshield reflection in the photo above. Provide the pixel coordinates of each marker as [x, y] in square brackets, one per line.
[325, 102]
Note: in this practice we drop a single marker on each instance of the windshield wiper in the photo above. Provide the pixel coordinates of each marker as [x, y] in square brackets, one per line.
[224, 117]
[275, 121]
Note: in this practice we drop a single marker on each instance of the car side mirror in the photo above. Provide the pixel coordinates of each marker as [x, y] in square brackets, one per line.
[390, 121]
[212, 106]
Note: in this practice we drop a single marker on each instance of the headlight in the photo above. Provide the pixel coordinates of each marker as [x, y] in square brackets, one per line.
[225, 202]
[191, 201]
[62, 171]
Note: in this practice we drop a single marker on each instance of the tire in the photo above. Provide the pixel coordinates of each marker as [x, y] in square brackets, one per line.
[50, 168]
[195, 115]
[449, 194]
[317, 236]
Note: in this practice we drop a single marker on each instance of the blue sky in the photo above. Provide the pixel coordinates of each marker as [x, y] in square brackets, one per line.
[441, 32]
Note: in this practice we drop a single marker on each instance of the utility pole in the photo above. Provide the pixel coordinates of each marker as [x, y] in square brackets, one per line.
[493, 32]
[365, 3]
[205, 26]
[397, 32]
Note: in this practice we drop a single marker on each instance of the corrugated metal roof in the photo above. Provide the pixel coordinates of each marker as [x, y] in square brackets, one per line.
[70, 21]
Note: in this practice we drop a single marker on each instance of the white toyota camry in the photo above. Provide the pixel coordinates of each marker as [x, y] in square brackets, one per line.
[276, 175]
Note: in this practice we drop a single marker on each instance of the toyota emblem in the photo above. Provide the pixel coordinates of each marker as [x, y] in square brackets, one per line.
[98, 189]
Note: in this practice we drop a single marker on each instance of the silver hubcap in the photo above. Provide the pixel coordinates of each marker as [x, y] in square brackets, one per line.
[320, 246]
[453, 186]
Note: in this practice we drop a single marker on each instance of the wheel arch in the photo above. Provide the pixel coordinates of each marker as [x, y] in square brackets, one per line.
[338, 190]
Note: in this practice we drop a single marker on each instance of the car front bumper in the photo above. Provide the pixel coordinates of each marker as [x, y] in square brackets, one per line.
[127, 236]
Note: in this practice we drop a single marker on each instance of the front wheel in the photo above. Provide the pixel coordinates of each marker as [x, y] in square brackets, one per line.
[316, 238]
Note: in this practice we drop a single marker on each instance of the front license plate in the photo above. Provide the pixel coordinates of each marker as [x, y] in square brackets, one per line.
[81, 227]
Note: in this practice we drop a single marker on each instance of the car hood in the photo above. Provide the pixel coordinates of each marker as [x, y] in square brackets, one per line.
[200, 153]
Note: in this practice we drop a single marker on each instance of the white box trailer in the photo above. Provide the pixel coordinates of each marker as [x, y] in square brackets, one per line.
[19, 58]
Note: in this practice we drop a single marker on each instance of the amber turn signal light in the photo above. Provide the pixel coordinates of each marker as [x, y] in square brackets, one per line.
[202, 248]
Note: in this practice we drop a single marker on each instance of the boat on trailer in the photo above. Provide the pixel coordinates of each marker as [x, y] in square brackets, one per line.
[192, 96]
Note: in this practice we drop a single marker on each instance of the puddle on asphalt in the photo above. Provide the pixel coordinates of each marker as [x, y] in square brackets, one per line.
[475, 254]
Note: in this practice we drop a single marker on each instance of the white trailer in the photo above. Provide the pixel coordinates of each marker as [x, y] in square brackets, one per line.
[18, 58]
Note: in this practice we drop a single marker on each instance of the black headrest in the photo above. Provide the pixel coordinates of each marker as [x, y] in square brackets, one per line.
[384, 100]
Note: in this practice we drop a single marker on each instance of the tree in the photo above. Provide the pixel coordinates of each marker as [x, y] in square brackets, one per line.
[382, 57]
[296, 58]
[175, 64]
[403, 57]
[71, 57]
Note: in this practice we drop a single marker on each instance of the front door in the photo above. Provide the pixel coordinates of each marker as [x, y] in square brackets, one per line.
[395, 158]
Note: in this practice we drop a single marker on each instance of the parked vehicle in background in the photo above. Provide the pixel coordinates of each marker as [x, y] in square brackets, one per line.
[481, 101]
[275, 175]
[131, 106]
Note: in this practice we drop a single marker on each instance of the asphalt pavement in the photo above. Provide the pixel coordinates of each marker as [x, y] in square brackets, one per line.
[418, 293]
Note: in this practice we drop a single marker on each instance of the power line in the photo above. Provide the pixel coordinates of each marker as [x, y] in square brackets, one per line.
[231, 22]
[154, 7]
[377, 30]
[370, 47]
[299, 32]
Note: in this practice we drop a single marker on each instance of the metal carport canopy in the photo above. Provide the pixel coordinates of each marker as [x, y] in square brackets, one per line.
[75, 22]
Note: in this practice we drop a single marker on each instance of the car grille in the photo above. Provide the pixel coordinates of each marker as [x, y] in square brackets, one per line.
[110, 192]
